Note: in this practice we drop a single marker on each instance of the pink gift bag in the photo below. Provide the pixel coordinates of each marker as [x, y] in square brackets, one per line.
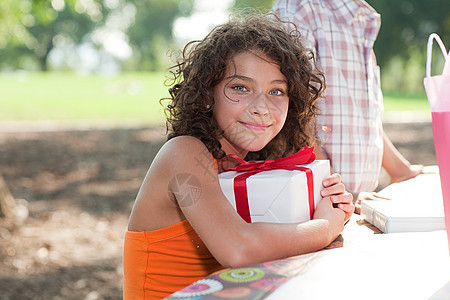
[438, 93]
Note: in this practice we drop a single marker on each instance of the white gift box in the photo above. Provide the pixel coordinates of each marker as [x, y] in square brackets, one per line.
[279, 196]
[415, 205]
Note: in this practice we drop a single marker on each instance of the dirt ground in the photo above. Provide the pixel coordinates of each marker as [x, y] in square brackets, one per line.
[77, 188]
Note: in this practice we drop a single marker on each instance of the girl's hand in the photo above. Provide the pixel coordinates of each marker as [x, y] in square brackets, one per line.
[335, 217]
[335, 190]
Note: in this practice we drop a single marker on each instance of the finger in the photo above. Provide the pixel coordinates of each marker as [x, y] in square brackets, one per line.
[347, 208]
[345, 198]
[331, 180]
[333, 190]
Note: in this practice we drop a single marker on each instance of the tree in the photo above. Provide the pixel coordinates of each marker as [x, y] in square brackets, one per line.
[12, 211]
[10, 34]
[401, 43]
[406, 25]
[6, 200]
[152, 29]
[36, 23]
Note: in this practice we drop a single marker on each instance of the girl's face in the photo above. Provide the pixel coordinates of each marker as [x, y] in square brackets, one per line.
[251, 103]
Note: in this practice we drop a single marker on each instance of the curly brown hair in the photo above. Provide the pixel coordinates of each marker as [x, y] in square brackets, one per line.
[203, 65]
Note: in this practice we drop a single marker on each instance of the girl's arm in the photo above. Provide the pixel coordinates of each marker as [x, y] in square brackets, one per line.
[231, 240]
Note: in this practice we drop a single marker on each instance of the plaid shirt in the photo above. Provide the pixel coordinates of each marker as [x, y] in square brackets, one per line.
[341, 34]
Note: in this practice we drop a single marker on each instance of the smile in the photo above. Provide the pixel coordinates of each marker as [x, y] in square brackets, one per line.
[257, 127]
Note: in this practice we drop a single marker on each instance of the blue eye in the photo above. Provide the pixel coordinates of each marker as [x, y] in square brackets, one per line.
[239, 88]
[276, 92]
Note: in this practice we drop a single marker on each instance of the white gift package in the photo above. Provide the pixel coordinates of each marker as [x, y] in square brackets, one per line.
[416, 205]
[279, 196]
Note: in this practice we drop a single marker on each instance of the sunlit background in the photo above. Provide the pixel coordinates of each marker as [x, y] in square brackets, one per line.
[101, 36]
[107, 46]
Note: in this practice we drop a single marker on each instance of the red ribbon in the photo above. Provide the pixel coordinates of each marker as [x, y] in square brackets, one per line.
[304, 156]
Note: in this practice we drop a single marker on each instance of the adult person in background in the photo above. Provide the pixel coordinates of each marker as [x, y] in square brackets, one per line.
[341, 34]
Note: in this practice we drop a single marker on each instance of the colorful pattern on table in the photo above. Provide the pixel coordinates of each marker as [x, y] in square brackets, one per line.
[251, 282]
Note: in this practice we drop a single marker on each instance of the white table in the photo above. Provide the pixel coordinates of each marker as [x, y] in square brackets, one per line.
[376, 266]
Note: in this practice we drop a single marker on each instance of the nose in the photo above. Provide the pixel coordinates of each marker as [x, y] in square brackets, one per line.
[259, 105]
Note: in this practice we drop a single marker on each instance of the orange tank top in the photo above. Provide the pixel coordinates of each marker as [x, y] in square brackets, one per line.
[160, 262]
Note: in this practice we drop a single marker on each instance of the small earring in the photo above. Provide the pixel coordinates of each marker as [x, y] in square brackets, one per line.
[208, 106]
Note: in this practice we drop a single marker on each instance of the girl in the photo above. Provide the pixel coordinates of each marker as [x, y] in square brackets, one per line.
[249, 89]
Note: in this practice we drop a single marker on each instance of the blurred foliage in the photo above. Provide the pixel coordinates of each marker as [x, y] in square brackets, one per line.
[33, 26]
[406, 25]
[29, 29]
[151, 32]
[258, 5]
[401, 44]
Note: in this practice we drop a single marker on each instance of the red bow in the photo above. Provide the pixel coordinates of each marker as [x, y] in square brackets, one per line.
[304, 156]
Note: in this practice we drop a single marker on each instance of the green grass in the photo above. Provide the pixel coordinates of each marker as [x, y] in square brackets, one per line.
[66, 96]
[71, 97]
[394, 102]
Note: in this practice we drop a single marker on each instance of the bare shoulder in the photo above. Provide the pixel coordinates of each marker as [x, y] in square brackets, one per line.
[183, 143]
[184, 152]
[180, 160]
[181, 156]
